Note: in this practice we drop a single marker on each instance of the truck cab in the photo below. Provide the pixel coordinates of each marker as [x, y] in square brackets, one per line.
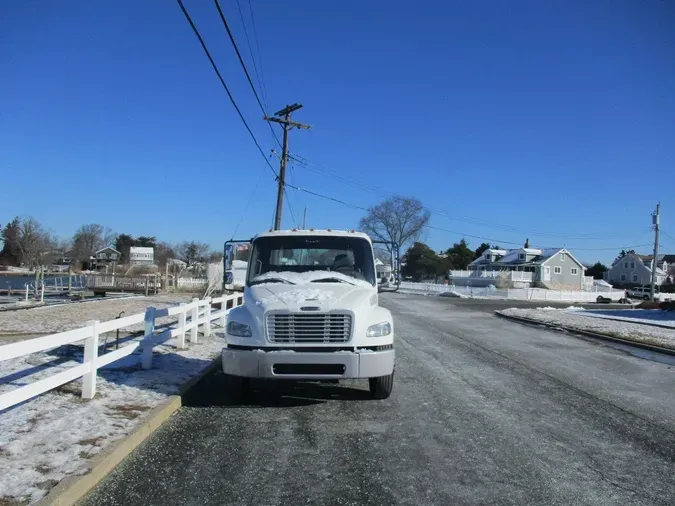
[310, 312]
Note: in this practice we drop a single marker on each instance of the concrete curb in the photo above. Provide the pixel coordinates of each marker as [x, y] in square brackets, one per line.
[604, 337]
[73, 488]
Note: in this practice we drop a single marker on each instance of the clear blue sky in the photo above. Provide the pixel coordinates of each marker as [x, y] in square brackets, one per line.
[515, 118]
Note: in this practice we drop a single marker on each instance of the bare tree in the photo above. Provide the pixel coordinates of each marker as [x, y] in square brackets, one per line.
[90, 238]
[397, 219]
[163, 252]
[192, 252]
[32, 242]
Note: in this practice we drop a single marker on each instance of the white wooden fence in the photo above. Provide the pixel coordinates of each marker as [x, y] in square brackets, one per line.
[192, 282]
[190, 317]
[538, 294]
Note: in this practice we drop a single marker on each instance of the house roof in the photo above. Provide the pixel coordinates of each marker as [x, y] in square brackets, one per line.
[667, 258]
[512, 257]
[106, 248]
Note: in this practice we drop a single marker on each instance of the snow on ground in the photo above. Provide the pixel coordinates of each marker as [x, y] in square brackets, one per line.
[645, 316]
[50, 319]
[576, 319]
[52, 436]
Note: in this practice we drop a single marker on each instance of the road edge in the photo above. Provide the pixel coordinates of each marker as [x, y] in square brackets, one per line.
[596, 335]
[73, 488]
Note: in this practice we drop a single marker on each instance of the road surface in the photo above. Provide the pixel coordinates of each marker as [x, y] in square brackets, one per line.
[484, 411]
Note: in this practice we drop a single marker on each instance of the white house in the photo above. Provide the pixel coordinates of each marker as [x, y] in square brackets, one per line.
[635, 269]
[553, 268]
[139, 255]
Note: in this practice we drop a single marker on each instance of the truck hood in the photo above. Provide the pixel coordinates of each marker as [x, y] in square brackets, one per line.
[324, 296]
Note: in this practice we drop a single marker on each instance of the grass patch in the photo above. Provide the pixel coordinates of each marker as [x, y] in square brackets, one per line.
[7, 501]
[130, 411]
[90, 441]
[43, 469]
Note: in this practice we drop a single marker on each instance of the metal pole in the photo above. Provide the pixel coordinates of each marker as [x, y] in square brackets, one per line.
[304, 219]
[655, 222]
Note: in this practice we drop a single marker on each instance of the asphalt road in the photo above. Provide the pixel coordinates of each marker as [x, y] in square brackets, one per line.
[484, 411]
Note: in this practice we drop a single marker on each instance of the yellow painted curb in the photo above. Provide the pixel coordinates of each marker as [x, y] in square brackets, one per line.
[73, 488]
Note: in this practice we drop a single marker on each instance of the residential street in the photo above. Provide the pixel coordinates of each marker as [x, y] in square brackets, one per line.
[484, 411]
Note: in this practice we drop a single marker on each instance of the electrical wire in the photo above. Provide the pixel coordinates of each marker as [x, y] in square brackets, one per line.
[243, 66]
[250, 199]
[303, 162]
[227, 90]
[290, 208]
[261, 79]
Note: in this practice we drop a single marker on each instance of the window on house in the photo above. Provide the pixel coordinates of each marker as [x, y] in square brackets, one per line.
[625, 265]
[632, 265]
[521, 256]
[562, 257]
[623, 277]
[557, 270]
[574, 271]
[635, 278]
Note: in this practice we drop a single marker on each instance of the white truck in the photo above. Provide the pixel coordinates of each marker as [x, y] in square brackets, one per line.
[310, 312]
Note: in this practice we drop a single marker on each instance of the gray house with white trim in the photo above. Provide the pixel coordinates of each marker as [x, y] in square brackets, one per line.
[553, 268]
[635, 269]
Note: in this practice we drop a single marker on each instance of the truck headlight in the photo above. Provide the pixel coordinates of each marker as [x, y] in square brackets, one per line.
[379, 330]
[238, 329]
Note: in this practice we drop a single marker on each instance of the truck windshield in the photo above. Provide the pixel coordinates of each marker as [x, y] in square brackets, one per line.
[348, 256]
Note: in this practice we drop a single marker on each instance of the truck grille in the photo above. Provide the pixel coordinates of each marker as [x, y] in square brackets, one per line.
[309, 328]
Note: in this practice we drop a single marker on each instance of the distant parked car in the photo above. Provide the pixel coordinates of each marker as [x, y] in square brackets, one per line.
[644, 292]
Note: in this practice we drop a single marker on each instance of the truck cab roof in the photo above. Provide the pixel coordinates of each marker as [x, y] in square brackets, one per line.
[316, 232]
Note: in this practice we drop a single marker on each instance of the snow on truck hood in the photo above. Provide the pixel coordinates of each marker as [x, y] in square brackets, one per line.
[349, 294]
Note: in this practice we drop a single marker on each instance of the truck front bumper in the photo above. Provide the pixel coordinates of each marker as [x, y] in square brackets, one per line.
[301, 365]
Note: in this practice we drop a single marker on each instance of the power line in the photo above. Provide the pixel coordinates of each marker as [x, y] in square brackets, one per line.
[227, 90]
[374, 189]
[243, 65]
[290, 208]
[250, 51]
[257, 45]
[250, 199]
[489, 239]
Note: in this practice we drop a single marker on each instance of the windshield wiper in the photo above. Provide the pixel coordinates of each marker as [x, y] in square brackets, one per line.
[331, 279]
[269, 280]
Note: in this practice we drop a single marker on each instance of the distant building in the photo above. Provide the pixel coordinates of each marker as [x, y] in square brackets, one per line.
[139, 255]
[635, 269]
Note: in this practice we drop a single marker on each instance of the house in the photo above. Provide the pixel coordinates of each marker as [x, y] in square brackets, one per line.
[668, 266]
[139, 255]
[104, 257]
[553, 268]
[635, 269]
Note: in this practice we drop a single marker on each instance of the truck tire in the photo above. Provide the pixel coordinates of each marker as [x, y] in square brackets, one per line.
[237, 388]
[380, 388]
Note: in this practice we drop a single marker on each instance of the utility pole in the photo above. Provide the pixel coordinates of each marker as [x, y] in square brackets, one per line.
[304, 219]
[283, 117]
[655, 222]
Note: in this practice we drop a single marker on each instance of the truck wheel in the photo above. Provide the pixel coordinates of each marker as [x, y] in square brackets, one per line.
[380, 388]
[237, 388]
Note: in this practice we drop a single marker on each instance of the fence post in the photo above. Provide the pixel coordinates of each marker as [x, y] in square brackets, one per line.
[42, 291]
[26, 292]
[207, 317]
[148, 339]
[194, 317]
[181, 325]
[223, 308]
[90, 357]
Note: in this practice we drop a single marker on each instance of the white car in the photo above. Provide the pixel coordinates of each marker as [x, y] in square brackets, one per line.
[643, 292]
[316, 318]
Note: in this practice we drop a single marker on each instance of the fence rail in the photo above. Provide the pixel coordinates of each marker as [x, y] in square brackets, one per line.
[539, 294]
[191, 316]
[509, 275]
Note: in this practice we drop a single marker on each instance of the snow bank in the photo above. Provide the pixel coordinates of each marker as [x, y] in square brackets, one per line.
[54, 435]
[643, 316]
[580, 321]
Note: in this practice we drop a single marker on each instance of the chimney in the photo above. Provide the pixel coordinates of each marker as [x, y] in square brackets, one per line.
[527, 243]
